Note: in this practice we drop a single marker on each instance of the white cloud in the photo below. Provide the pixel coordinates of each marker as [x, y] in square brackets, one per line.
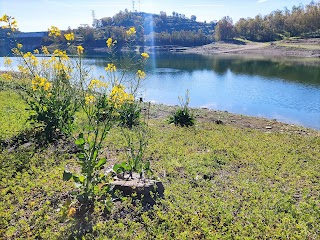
[261, 1]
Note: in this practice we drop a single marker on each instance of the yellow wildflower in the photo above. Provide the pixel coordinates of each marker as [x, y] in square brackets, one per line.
[61, 54]
[19, 45]
[118, 96]
[7, 62]
[89, 99]
[36, 51]
[14, 25]
[97, 83]
[30, 58]
[54, 31]
[40, 82]
[4, 18]
[141, 74]
[80, 50]
[71, 212]
[7, 77]
[15, 51]
[69, 36]
[45, 50]
[109, 42]
[145, 55]
[131, 31]
[111, 67]
[23, 69]
[46, 86]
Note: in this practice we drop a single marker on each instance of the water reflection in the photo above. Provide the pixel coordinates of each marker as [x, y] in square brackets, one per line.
[286, 70]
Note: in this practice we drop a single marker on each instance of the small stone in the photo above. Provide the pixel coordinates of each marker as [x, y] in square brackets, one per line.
[140, 187]
[268, 127]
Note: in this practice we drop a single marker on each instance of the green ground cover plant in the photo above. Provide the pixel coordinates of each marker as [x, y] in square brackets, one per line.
[221, 182]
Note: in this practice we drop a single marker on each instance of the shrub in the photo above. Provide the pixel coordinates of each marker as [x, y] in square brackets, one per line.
[183, 115]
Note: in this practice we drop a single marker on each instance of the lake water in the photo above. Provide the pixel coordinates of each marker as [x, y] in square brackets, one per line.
[284, 90]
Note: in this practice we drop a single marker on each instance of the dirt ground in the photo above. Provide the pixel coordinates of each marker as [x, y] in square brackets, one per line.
[160, 111]
[302, 48]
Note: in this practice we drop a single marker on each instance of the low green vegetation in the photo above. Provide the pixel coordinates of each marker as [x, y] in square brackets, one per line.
[221, 182]
[183, 116]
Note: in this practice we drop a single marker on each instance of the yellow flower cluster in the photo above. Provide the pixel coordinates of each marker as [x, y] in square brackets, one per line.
[4, 18]
[19, 45]
[61, 54]
[7, 62]
[23, 69]
[145, 55]
[89, 99]
[110, 43]
[119, 96]
[45, 50]
[36, 51]
[54, 31]
[30, 58]
[111, 68]
[10, 22]
[94, 83]
[69, 36]
[7, 77]
[131, 31]
[141, 74]
[80, 50]
[40, 82]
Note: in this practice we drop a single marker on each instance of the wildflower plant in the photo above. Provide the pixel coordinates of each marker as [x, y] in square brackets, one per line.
[103, 101]
[50, 92]
[58, 86]
[183, 116]
[136, 140]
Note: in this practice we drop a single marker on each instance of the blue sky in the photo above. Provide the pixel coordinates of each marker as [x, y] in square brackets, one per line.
[39, 15]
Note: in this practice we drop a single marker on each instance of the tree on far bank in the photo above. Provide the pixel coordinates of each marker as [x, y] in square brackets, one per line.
[224, 29]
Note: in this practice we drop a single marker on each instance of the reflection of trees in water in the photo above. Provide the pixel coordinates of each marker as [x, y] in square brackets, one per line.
[288, 71]
[283, 70]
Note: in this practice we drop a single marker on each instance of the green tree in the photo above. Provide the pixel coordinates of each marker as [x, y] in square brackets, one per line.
[224, 29]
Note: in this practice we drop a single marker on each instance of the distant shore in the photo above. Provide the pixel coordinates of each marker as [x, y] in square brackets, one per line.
[296, 48]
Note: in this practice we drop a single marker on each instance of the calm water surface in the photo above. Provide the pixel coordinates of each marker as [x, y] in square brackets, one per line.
[282, 90]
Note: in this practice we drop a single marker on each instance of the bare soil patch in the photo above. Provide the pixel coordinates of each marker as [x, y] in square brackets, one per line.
[302, 48]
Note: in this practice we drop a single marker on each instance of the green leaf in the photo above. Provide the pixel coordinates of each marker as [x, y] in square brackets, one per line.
[81, 156]
[67, 176]
[118, 168]
[78, 179]
[80, 141]
[147, 166]
[96, 190]
[101, 163]
[95, 154]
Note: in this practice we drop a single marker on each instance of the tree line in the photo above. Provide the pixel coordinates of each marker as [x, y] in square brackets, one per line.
[300, 21]
[160, 29]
